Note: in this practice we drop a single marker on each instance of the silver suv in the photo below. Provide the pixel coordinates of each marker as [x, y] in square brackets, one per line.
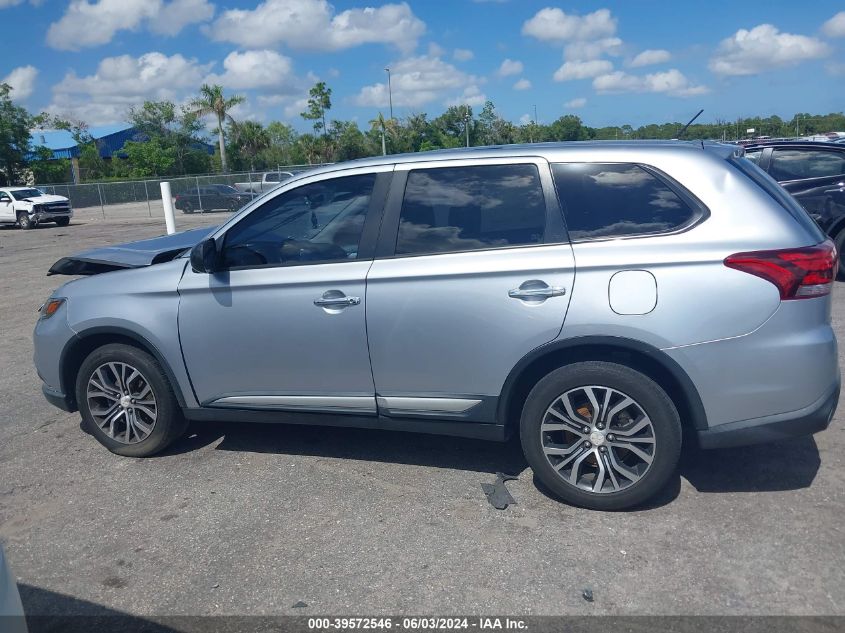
[600, 299]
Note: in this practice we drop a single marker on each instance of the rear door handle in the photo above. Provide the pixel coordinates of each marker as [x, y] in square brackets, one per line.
[535, 290]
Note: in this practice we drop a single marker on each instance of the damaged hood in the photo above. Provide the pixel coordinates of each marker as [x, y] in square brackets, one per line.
[130, 255]
[44, 199]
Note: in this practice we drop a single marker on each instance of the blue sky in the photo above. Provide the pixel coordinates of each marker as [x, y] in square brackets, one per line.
[611, 63]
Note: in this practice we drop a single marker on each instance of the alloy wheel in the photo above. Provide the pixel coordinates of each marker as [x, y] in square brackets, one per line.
[598, 439]
[122, 402]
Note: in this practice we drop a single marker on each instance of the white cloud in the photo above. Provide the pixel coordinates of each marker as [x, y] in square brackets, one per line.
[553, 25]
[471, 96]
[764, 48]
[522, 84]
[416, 81]
[583, 50]
[435, 50]
[178, 14]
[87, 23]
[257, 69]
[582, 70]
[672, 82]
[510, 67]
[579, 102]
[13, 3]
[312, 25]
[650, 57]
[125, 81]
[463, 54]
[835, 26]
[525, 119]
[22, 81]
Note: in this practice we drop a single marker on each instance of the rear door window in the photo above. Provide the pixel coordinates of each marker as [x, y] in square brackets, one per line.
[450, 209]
[602, 200]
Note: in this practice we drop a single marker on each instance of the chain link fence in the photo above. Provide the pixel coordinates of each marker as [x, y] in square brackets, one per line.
[142, 198]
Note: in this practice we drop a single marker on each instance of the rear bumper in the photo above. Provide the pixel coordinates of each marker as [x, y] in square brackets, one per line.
[58, 399]
[811, 419]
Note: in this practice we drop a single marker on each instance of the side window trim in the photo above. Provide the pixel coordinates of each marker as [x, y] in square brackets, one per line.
[369, 233]
[701, 212]
[555, 233]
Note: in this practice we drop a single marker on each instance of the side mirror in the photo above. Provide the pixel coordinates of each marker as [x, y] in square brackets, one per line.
[204, 257]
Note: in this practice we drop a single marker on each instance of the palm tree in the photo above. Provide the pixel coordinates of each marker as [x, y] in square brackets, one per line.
[252, 138]
[213, 101]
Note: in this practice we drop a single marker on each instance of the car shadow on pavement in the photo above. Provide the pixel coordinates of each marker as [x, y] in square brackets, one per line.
[786, 465]
[51, 612]
[418, 449]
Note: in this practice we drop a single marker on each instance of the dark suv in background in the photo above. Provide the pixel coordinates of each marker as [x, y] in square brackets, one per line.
[814, 173]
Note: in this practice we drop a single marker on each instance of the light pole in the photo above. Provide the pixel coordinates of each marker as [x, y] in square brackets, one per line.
[466, 123]
[389, 92]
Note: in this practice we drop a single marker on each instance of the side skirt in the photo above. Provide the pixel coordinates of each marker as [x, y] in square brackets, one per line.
[474, 430]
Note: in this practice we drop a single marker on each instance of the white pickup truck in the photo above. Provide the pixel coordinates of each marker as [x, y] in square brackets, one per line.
[27, 207]
[269, 180]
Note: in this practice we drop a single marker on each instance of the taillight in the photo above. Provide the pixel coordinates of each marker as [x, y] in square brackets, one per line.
[798, 273]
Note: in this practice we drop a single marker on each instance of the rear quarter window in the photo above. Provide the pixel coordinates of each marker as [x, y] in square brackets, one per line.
[779, 194]
[604, 200]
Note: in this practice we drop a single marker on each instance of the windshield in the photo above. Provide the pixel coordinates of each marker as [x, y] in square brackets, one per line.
[20, 194]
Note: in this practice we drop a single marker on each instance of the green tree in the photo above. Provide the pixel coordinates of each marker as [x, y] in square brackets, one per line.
[250, 140]
[46, 169]
[15, 137]
[179, 129]
[149, 158]
[211, 100]
[319, 102]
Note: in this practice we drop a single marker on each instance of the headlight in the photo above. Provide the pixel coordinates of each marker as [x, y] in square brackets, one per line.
[51, 307]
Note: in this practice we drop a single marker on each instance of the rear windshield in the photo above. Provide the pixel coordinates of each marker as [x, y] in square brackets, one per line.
[771, 187]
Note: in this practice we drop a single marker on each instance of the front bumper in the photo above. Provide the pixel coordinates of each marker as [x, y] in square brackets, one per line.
[811, 419]
[58, 399]
[51, 216]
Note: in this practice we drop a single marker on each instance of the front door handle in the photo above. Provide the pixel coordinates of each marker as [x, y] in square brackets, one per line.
[336, 299]
[536, 290]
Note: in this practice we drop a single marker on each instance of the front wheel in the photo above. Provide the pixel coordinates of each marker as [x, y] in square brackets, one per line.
[25, 222]
[127, 402]
[62, 221]
[601, 435]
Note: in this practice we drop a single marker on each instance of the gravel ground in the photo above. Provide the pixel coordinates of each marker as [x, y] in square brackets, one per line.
[251, 519]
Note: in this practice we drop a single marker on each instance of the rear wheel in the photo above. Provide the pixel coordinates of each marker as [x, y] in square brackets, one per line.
[600, 435]
[187, 207]
[25, 222]
[127, 402]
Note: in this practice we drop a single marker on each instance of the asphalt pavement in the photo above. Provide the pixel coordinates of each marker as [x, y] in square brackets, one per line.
[254, 519]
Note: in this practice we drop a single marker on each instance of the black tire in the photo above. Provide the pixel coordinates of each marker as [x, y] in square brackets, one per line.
[62, 221]
[839, 240]
[665, 423]
[169, 425]
[187, 207]
[25, 222]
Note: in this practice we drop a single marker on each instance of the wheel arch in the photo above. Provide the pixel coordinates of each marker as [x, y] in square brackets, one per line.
[78, 349]
[635, 354]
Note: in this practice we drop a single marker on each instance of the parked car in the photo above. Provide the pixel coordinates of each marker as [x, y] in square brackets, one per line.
[597, 299]
[11, 612]
[268, 181]
[814, 173]
[27, 207]
[211, 197]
